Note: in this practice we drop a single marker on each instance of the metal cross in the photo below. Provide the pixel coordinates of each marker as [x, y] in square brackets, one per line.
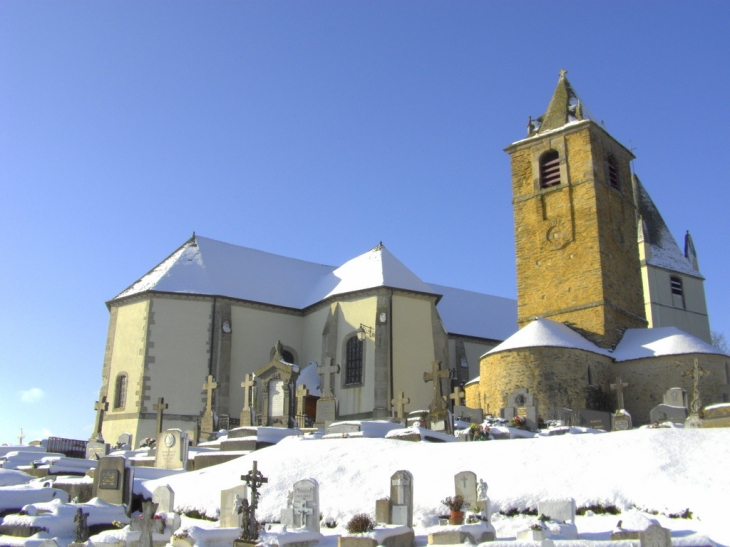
[247, 384]
[101, 406]
[254, 479]
[400, 402]
[696, 372]
[325, 371]
[618, 388]
[159, 407]
[457, 395]
[209, 386]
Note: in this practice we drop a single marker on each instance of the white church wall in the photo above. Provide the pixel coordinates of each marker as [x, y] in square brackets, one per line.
[130, 340]
[255, 331]
[413, 349]
[313, 326]
[356, 399]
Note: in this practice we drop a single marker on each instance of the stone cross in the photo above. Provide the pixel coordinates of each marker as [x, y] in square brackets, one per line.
[160, 407]
[618, 387]
[209, 386]
[696, 372]
[435, 376]
[301, 394]
[457, 395]
[400, 402]
[148, 514]
[101, 406]
[247, 384]
[254, 479]
[325, 370]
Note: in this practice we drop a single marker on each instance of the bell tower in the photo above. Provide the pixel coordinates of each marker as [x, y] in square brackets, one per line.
[575, 223]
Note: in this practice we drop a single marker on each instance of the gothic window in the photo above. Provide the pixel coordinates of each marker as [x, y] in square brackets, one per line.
[120, 391]
[612, 166]
[549, 169]
[353, 360]
[677, 291]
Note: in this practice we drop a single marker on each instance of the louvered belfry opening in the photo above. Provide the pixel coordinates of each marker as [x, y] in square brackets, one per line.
[613, 172]
[549, 169]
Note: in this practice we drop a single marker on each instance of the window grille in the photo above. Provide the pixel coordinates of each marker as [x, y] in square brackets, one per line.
[549, 169]
[120, 391]
[677, 291]
[613, 172]
[353, 368]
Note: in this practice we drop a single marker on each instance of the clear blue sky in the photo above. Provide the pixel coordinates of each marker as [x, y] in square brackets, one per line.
[314, 130]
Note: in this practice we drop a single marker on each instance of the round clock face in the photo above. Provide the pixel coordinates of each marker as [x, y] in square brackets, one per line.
[169, 439]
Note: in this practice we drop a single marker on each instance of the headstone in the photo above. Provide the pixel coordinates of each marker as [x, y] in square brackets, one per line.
[113, 480]
[466, 414]
[231, 500]
[96, 450]
[206, 423]
[521, 403]
[382, 511]
[667, 413]
[172, 450]
[675, 396]
[648, 531]
[560, 510]
[465, 484]
[401, 499]
[164, 497]
[621, 421]
[124, 442]
[247, 417]
[302, 510]
[596, 419]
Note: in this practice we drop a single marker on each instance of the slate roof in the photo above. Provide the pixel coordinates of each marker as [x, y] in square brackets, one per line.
[210, 267]
[665, 252]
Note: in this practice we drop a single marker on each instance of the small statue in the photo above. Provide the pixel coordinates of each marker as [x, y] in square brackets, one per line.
[482, 490]
[81, 533]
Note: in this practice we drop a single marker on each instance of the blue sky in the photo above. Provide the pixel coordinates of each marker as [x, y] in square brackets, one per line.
[314, 130]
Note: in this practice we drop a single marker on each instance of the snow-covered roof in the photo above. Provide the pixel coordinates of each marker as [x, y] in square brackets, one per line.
[665, 252]
[210, 267]
[547, 333]
[657, 342]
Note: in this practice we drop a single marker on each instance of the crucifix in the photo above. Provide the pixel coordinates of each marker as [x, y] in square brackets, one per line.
[247, 384]
[400, 402]
[249, 527]
[457, 396]
[301, 509]
[149, 509]
[618, 388]
[435, 376]
[325, 370]
[696, 372]
[101, 406]
[209, 386]
[160, 407]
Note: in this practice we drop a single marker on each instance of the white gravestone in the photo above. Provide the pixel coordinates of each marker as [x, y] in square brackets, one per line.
[401, 498]
[562, 510]
[302, 510]
[465, 485]
[172, 450]
[229, 516]
[164, 497]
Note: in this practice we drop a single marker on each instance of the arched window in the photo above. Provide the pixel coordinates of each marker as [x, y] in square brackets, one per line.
[353, 362]
[288, 356]
[549, 169]
[612, 166]
[120, 391]
[677, 291]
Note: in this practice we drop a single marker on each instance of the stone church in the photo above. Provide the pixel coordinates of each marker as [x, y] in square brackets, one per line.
[596, 266]
[605, 296]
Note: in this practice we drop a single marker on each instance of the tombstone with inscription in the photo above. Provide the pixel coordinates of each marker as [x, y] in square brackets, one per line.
[164, 497]
[302, 508]
[231, 501]
[466, 414]
[621, 420]
[521, 403]
[465, 485]
[275, 384]
[401, 499]
[113, 480]
[172, 450]
[96, 450]
[327, 404]
[674, 409]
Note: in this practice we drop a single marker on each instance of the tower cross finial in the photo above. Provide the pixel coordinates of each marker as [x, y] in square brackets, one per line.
[562, 73]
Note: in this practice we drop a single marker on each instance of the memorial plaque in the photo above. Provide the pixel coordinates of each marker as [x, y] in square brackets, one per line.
[522, 411]
[276, 398]
[109, 479]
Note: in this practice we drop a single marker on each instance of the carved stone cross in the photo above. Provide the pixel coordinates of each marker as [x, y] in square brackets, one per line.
[697, 373]
[435, 376]
[457, 396]
[325, 370]
[148, 514]
[400, 402]
[618, 387]
[209, 386]
[101, 406]
[247, 384]
[160, 407]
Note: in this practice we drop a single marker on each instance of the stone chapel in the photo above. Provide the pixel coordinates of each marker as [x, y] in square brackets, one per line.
[227, 334]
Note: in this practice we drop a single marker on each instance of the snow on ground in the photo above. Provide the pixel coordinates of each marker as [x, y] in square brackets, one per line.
[663, 470]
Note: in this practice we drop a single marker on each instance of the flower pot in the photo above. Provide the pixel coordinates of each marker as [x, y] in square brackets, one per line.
[457, 517]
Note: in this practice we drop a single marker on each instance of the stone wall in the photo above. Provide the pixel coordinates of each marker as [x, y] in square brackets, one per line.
[472, 394]
[559, 377]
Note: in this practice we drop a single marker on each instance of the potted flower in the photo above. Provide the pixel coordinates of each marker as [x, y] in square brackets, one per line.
[455, 504]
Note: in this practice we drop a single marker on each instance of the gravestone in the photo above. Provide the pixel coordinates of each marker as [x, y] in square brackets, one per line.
[400, 403]
[401, 499]
[465, 484]
[164, 497]
[667, 413]
[96, 450]
[596, 419]
[231, 500]
[559, 510]
[124, 442]
[621, 421]
[172, 450]
[676, 396]
[302, 508]
[113, 480]
[521, 403]
[466, 414]
[438, 417]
